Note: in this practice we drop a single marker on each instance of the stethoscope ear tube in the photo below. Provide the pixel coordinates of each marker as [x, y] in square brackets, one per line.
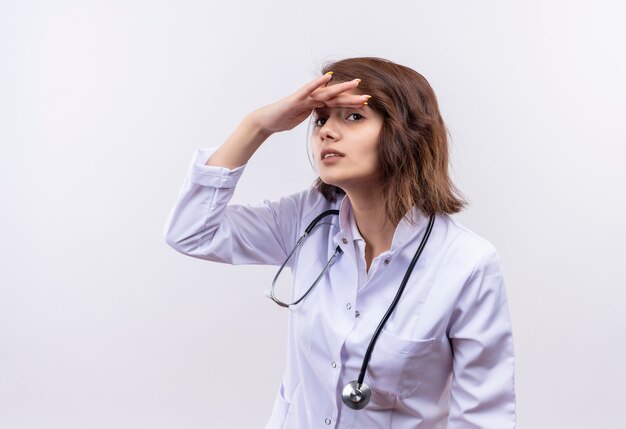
[270, 292]
[318, 218]
[357, 394]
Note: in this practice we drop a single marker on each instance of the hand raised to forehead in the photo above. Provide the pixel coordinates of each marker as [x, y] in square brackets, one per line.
[334, 95]
[290, 111]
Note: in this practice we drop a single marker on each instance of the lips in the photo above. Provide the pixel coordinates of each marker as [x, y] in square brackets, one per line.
[331, 153]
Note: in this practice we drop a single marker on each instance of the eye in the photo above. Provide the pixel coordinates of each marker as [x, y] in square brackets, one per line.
[320, 121]
[352, 117]
[357, 116]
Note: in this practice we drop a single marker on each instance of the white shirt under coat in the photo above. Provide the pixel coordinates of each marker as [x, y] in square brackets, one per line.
[443, 360]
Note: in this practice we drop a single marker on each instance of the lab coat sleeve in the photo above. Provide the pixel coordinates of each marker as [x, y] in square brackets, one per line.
[202, 224]
[482, 392]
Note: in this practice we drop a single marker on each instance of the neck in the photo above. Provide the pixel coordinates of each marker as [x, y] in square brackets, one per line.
[368, 209]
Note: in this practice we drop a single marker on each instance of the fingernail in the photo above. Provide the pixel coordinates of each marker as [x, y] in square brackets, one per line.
[358, 80]
[365, 103]
[328, 73]
[368, 97]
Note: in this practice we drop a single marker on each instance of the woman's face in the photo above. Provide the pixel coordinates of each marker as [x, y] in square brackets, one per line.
[345, 146]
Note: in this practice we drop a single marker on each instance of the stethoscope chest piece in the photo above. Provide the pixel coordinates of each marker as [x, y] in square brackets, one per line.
[356, 396]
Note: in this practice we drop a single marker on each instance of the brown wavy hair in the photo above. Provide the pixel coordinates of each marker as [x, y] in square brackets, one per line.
[413, 149]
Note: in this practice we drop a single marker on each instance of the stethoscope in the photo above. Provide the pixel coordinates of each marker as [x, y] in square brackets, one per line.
[356, 394]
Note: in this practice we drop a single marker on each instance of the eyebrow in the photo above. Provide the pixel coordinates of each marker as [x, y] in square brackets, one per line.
[319, 110]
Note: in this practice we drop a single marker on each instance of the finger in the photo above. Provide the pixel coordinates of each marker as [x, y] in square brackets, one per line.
[332, 91]
[348, 100]
[316, 83]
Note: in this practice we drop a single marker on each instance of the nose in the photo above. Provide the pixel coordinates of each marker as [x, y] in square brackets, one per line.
[329, 131]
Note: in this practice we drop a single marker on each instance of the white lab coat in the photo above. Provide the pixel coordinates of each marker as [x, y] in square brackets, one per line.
[443, 360]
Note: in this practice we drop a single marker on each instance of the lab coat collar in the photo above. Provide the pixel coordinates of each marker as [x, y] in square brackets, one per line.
[405, 231]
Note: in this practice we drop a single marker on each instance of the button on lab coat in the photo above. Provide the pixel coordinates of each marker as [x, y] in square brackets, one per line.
[443, 360]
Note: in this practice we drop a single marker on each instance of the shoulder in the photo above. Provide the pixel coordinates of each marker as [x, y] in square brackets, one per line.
[304, 205]
[468, 249]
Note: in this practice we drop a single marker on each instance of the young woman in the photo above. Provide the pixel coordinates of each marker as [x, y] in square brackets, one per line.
[400, 315]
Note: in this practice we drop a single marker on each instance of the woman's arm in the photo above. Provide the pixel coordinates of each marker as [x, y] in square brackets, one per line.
[203, 225]
[282, 115]
[240, 145]
[482, 392]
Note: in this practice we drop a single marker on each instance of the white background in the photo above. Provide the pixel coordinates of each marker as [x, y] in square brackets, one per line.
[102, 104]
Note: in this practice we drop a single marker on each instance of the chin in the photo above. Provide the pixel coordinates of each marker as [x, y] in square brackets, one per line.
[331, 179]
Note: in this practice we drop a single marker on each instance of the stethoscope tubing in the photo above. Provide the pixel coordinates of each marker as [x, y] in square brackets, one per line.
[394, 303]
[355, 394]
[307, 231]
